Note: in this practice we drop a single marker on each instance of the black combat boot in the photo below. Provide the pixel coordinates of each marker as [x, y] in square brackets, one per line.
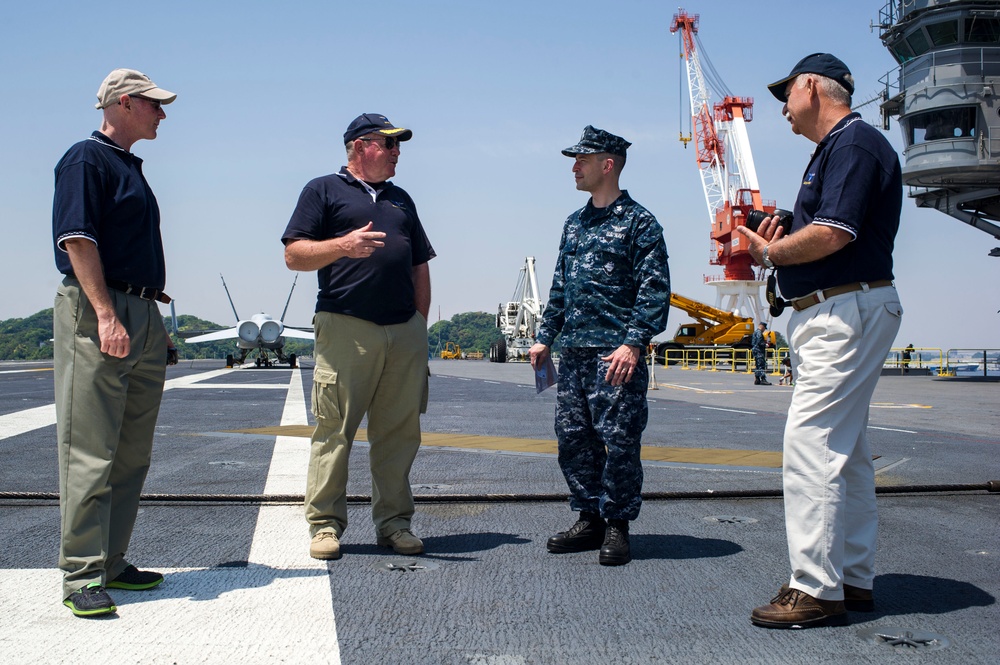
[615, 551]
[586, 534]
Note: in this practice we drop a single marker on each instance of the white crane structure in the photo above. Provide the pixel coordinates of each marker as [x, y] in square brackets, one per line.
[519, 318]
[728, 176]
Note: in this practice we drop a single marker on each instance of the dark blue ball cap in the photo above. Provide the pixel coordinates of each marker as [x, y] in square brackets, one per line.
[374, 123]
[823, 64]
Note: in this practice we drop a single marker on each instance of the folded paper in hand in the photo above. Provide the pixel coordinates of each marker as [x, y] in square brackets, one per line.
[545, 375]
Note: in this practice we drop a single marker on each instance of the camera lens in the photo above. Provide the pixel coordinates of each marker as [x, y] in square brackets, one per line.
[754, 218]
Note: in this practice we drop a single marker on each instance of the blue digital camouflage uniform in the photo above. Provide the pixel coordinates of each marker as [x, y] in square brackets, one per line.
[759, 347]
[611, 287]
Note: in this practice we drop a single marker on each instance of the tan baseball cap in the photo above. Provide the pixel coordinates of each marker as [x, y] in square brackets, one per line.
[129, 82]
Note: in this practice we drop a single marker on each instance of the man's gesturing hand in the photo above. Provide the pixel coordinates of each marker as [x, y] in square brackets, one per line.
[362, 243]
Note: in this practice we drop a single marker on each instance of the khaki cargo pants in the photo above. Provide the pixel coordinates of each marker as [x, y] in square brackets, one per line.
[364, 368]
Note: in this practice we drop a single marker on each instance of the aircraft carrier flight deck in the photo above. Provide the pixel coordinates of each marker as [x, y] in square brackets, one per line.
[223, 521]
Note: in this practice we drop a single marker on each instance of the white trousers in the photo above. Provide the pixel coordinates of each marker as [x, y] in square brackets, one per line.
[838, 348]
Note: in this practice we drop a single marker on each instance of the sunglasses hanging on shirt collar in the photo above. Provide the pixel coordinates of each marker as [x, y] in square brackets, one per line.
[777, 303]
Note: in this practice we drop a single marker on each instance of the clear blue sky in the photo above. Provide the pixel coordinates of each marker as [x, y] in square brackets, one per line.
[493, 91]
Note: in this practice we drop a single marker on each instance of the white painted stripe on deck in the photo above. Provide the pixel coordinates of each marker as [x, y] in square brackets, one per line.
[236, 386]
[892, 429]
[20, 422]
[281, 544]
[199, 615]
[717, 408]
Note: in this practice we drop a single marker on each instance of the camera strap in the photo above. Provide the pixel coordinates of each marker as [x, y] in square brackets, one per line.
[777, 303]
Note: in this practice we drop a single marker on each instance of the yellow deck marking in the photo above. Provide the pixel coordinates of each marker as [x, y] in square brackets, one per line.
[715, 456]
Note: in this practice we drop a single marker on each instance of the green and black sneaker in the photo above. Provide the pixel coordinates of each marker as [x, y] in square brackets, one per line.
[90, 601]
[134, 579]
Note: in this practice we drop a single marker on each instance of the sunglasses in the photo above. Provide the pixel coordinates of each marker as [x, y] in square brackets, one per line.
[155, 103]
[390, 141]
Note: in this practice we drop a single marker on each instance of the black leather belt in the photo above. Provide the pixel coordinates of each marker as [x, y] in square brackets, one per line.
[821, 296]
[144, 292]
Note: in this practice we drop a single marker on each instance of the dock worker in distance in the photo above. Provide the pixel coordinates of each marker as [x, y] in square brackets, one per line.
[758, 344]
[610, 296]
[363, 236]
[835, 267]
[110, 345]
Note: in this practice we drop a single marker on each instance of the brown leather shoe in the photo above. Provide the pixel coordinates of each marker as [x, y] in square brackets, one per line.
[857, 599]
[792, 608]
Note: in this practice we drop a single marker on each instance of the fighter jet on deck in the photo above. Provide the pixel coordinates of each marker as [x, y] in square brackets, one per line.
[260, 333]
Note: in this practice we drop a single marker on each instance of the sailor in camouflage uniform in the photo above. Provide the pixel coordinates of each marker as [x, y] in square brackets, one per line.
[609, 297]
[758, 344]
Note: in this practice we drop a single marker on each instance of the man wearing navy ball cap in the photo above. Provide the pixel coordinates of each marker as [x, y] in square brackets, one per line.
[361, 233]
[835, 268]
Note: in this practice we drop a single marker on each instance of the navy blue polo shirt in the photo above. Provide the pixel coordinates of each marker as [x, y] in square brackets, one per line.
[378, 288]
[101, 195]
[853, 183]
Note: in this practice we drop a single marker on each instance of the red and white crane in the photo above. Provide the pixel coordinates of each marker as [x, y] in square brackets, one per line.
[725, 163]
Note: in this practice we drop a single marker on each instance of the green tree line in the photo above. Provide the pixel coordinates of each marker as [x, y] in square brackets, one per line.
[473, 331]
[31, 339]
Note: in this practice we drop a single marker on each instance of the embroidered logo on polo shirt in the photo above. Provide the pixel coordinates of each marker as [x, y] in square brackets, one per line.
[809, 179]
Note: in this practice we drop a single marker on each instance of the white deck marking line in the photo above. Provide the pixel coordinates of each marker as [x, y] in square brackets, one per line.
[20, 422]
[677, 386]
[890, 429]
[214, 615]
[717, 408]
[890, 466]
[281, 543]
[235, 386]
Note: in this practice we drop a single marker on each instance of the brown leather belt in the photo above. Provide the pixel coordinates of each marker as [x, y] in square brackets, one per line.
[820, 296]
[144, 292]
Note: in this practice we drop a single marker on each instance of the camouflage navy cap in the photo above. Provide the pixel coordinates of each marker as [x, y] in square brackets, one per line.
[597, 140]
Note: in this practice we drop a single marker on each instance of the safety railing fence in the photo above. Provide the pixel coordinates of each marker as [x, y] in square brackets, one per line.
[722, 359]
[920, 359]
[971, 360]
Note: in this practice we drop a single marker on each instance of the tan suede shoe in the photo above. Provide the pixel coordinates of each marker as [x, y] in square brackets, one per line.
[402, 542]
[325, 545]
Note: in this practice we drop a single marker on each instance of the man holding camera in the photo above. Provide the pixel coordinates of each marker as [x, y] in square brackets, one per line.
[835, 267]
[110, 345]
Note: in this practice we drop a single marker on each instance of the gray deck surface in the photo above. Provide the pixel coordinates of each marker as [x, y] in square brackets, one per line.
[241, 587]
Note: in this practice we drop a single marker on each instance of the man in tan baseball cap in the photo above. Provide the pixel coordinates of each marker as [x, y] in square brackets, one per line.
[130, 82]
[111, 348]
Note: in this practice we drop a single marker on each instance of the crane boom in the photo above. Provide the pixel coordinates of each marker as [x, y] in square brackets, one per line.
[725, 160]
[728, 176]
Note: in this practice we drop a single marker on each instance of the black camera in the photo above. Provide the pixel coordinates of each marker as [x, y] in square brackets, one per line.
[755, 217]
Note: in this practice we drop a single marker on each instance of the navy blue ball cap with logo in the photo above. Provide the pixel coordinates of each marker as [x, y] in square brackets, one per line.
[595, 141]
[374, 123]
[823, 64]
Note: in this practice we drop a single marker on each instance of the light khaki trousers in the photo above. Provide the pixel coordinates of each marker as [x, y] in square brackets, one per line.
[364, 368]
[106, 411]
